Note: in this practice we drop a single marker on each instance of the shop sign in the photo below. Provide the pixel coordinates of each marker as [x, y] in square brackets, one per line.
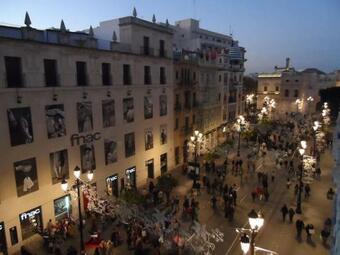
[29, 214]
[81, 139]
[112, 178]
[131, 170]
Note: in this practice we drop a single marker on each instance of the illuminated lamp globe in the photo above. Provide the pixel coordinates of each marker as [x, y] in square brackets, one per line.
[245, 243]
[76, 172]
[64, 185]
[90, 175]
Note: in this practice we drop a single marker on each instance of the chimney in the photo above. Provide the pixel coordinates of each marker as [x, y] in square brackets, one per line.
[287, 63]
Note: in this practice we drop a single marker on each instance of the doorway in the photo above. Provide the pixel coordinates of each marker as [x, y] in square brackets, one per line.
[150, 167]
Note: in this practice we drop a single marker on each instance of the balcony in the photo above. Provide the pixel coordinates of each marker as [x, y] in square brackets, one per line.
[186, 83]
[178, 107]
[162, 53]
[146, 51]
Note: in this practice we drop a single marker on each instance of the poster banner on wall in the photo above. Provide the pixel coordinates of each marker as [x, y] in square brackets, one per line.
[55, 120]
[26, 177]
[20, 125]
[84, 116]
[59, 166]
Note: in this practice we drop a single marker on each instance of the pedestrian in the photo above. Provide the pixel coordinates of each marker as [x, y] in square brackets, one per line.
[213, 202]
[288, 183]
[300, 225]
[253, 195]
[309, 231]
[234, 194]
[266, 195]
[231, 213]
[151, 187]
[307, 191]
[291, 213]
[324, 235]
[296, 189]
[284, 211]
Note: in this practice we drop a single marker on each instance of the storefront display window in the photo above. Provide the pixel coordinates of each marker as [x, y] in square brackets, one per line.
[31, 222]
[3, 244]
[62, 207]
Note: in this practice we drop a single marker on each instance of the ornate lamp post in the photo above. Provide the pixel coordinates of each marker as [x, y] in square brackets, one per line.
[77, 185]
[240, 125]
[315, 128]
[248, 236]
[302, 150]
[196, 140]
[309, 102]
[249, 102]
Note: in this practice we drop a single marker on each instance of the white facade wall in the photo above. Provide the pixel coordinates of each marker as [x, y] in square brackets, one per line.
[36, 96]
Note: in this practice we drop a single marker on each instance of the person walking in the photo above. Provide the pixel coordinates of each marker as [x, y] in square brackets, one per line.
[213, 202]
[300, 225]
[309, 231]
[307, 191]
[291, 214]
[284, 211]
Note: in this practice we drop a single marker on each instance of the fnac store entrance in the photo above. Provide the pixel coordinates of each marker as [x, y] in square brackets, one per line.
[131, 177]
[112, 185]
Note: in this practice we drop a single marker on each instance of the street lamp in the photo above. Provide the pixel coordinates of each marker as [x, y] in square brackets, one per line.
[77, 185]
[240, 125]
[249, 102]
[315, 128]
[247, 241]
[302, 152]
[298, 103]
[196, 139]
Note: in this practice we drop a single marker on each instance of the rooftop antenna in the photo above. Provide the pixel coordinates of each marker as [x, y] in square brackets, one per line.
[230, 31]
[134, 12]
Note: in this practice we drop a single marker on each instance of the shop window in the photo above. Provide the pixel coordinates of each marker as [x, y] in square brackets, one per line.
[31, 222]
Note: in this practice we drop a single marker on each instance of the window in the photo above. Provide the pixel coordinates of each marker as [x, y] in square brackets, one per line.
[164, 164]
[106, 74]
[162, 76]
[286, 93]
[50, 67]
[146, 49]
[177, 155]
[177, 99]
[265, 88]
[277, 88]
[81, 73]
[219, 97]
[296, 93]
[193, 119]
[186, 124]
[176, 75]
[220, 78]
[13, 72]
[176, 124]
[126, 75]
[194, 76]
[194, 103]
[161, 48]
[147, 75]
[187, 99]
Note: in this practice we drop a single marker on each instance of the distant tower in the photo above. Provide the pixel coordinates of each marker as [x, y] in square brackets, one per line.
[62, 26]
[114, 36]
[153, 18]
[27, 20]
[91, 34]
[167, 22]
[287, 63]
[134, 12]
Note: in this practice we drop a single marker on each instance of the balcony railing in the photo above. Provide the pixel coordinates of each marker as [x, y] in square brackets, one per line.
[147, 51]
[178, 107]
[162, 53]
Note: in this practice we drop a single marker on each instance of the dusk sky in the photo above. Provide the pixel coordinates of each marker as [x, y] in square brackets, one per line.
[307, 31]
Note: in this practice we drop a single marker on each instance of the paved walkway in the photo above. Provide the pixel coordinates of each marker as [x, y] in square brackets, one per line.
[275, 235]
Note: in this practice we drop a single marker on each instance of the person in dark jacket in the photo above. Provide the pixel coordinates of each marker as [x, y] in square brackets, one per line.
[284, 211]
[291, 213]
[300, 225]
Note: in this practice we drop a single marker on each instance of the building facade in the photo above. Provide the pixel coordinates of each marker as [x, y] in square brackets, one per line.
[293, 91]
[209, 69]
[335, 245]
[79, 99]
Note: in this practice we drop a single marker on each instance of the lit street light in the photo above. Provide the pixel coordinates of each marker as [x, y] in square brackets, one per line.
[247, 240]
[301, 150]
[196, 140]
[240, 125]
[78, 184]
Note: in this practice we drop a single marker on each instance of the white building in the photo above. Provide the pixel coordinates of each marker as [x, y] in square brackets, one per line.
[218, 64]
[69, 99]
[336, 177]
[292, 89]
